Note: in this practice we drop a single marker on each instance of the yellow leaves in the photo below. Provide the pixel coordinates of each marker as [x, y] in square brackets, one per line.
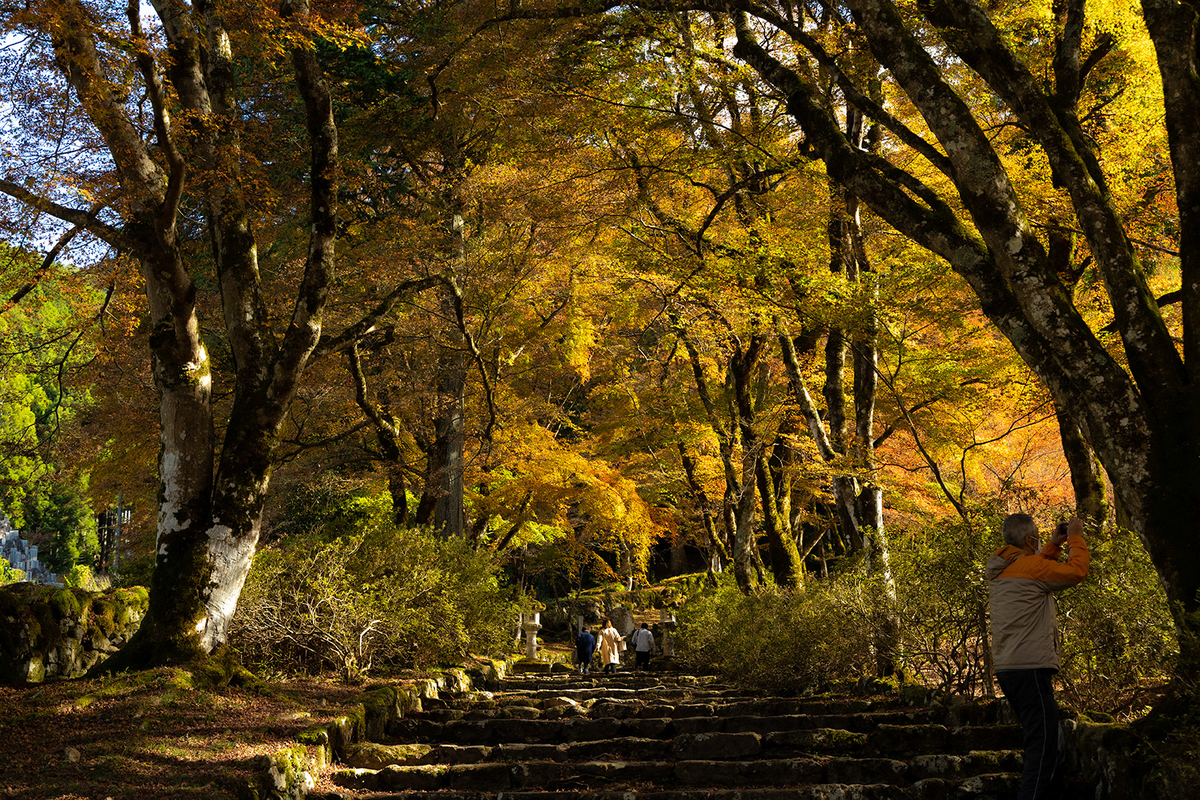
[582, 496]
[577, 344]
[1119, 17]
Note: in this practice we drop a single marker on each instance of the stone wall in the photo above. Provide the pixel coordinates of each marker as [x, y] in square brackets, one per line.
[50, 633]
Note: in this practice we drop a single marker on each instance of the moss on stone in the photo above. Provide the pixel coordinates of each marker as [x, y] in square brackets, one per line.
[65, 603]
[104, 615]
[372, 755]
[222, 668]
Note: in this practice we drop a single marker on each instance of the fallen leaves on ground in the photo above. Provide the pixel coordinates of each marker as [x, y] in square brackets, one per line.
[150, 735]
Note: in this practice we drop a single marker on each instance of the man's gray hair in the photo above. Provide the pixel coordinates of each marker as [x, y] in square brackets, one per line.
[1017, 527]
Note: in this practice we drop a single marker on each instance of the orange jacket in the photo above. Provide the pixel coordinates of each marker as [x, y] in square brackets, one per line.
[1021, 602]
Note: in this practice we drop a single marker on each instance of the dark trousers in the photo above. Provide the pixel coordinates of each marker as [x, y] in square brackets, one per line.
[642, 659]
[1031, 694]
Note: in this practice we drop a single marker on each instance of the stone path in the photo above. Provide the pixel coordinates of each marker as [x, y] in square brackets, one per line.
[663, 736]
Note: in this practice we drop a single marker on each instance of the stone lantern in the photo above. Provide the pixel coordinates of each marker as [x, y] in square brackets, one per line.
[530, 625]
[666, 621]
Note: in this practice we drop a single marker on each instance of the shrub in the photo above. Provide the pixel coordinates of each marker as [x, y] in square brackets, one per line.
[135, 571]
[942, 603]
[382, 596]
[8, 574]
[1116, 628]
[81, 576]
[1118, 634]
[778, 641]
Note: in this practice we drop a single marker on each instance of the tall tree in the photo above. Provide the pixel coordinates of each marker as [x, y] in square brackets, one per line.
[158, 112]
[1137, 407]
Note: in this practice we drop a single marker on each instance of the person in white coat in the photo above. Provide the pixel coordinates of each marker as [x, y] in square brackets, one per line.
[610, 647]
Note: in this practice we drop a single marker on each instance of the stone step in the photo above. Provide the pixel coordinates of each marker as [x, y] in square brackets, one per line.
[905, 728]
[627, 679]
[494, 776]
[667, 736]
[624, 706]
[894, 741]
[811, 792]
[939, 765]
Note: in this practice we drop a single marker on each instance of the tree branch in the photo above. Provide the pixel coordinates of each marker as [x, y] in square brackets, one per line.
[83, 220]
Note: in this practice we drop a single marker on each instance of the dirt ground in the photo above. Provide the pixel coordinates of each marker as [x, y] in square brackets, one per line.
[150, 735]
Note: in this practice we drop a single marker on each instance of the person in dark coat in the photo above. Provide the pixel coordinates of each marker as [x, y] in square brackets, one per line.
[585, 647]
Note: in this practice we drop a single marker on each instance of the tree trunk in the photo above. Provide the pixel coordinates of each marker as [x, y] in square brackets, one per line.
[718, 555]
[209, 523]
[786, 565]
[446, 470]
[738, 501]
[845, 488]
[1091, 497]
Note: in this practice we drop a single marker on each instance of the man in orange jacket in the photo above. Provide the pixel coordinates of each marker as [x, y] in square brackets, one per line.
[1022, 580]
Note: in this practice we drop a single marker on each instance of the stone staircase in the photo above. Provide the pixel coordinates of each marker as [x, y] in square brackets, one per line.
[668, 736]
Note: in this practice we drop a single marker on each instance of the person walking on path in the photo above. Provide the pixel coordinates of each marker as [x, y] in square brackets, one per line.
[1025, 641]
[643, 642]
[610, 647]
[585, 648]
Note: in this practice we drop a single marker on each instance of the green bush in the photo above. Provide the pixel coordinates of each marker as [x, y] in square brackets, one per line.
[381, 596]
[1118, 635]
[81, 576]
[8, 574]
[135, 571]
[1117, 631]
[942, 602]
[777, 641]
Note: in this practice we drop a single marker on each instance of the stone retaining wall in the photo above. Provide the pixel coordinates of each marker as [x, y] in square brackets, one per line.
[288, 774]
[49, 633]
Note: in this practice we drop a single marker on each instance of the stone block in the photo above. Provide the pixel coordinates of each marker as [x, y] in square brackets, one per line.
[578, 730]
[459, 754]
[747, 773]
[558, 702]
[565, 712]
[520, 712]
[617, 709]
[371, 755]
[527, 730]
[464, 731]
[890, 739]
[707, 725]
[959, 766]
[865, 770]
[538, 774]
[818, 740]
[647, 728]
[520, 751]
[425, 778]
[1000, 737]
[485, 777]
[711, 746]
[692, 710]
[603, 773]
[786, 722]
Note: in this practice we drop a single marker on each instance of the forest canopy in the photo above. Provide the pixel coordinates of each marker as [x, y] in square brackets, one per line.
[612, 291]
